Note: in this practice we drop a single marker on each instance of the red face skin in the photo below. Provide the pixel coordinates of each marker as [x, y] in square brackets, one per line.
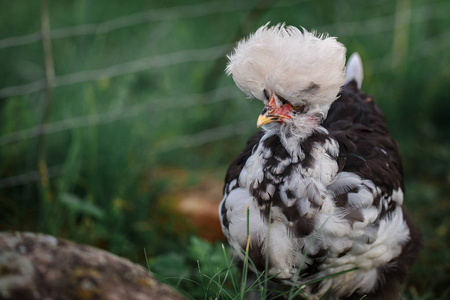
[273, 113]
[283, 111]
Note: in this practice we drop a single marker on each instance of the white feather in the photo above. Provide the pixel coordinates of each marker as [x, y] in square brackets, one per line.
[344, 182]
[354, 69]
[397, 196]
[363, 198]
[295, 64]
[237, 203]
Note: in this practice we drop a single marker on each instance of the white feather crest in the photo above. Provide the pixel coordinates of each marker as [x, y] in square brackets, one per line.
[295, 64]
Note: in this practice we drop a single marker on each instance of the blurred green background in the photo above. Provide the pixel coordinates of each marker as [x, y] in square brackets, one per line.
[137, 126]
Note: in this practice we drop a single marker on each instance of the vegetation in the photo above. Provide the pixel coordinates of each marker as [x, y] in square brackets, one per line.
[137, 116]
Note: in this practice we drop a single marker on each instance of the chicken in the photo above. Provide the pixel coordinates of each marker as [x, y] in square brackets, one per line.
[321, 186]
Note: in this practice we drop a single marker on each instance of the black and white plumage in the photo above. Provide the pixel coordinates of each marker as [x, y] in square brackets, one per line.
[326, 171]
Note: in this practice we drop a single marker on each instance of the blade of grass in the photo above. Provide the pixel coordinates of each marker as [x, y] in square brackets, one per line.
[299, 289]
[245, 270]
[330, 276]
[186, 294]
[233, 281]
[182, 278]
[146, 261]
[201, 277]
[219, 284]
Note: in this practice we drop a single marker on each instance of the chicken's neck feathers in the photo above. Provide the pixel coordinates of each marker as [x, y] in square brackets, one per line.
[292, 137]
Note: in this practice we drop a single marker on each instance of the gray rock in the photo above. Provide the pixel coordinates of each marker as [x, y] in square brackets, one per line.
[38, 266]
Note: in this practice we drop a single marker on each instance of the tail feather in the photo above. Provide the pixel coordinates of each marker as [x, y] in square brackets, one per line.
[354, 70]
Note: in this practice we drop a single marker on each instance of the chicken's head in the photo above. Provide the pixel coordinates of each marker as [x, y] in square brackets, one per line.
[296, 73]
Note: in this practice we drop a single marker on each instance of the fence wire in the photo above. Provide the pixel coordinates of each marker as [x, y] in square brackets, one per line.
[29, 177]
[180, 142]
[430, 46]
[382, 24]
[151, 106]
[162, 14]
[388, 23]
[371, 26]
[151, 62]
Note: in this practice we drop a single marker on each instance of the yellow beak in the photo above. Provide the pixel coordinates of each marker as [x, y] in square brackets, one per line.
[265, 118]
[272, 113]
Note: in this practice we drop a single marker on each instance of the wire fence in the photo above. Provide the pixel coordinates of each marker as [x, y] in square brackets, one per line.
[152, 62]
[162, 14]
[388, 23]
[371, 26]
[377, 25]
[153, 106]
[183, 141]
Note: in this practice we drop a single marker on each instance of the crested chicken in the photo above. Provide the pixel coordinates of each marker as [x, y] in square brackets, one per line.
[316, 196]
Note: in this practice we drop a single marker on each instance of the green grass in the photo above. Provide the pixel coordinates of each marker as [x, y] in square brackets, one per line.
[218, 277]
[106, 183]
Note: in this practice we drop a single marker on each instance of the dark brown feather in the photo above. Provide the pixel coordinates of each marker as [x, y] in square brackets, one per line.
[359, 126]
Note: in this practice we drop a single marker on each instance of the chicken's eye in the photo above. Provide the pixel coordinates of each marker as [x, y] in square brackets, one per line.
[299, 108]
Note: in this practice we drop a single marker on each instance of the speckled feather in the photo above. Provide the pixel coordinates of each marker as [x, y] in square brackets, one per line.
[332, 194]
